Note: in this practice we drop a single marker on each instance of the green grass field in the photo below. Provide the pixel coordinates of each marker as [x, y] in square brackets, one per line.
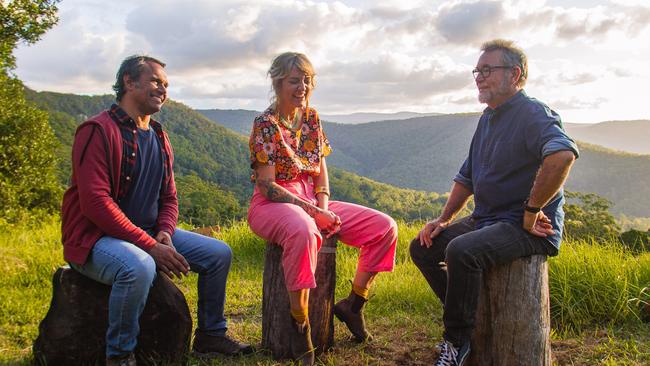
[596, 293]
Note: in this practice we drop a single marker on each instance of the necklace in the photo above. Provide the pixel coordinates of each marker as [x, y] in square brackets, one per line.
[297, 118]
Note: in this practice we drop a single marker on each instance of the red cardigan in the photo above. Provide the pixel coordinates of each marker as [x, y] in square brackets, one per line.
[90, 208]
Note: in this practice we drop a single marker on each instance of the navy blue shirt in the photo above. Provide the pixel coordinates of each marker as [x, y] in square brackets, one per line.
[140, 204]
[506, 152]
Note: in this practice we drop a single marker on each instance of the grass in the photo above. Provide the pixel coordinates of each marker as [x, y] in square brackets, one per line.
[597, 291]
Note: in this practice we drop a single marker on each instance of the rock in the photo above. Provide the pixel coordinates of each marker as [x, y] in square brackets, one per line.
[74, 329]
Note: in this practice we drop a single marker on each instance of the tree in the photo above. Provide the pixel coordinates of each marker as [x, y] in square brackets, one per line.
[587, 215]
[26, 21]
[27, 144]
[204, 203]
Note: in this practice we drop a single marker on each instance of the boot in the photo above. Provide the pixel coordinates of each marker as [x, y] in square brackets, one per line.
[207, 346]
[302, 349]
[350, 312]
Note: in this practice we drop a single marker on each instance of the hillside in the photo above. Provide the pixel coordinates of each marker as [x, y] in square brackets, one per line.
[361, 117]
[424, 153]
[212, 167]
[628, 136]
[239, 120]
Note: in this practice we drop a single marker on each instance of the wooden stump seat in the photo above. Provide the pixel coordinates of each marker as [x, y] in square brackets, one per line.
[513, 318]
[74, 330]
[276, 313]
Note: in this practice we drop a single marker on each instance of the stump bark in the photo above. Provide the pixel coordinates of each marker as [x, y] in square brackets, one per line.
[513, 318]
[276, 316]
[74, 330]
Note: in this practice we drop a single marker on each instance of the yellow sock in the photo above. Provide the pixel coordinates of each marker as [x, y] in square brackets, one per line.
[300, 315]
[361, 291]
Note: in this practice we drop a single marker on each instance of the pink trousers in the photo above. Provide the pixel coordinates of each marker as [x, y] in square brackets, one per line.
[288, 225]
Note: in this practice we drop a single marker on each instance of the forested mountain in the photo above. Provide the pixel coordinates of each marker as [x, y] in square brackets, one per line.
[628, 136]
[362, 117]
[424, 153]
[212, 168]
[240, 120]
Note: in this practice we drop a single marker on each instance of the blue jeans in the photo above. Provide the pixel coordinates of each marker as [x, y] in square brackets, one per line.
[454, 264]
[131, 271]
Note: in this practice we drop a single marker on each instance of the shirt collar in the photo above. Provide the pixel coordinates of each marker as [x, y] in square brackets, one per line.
[521, 94]
[121, 117]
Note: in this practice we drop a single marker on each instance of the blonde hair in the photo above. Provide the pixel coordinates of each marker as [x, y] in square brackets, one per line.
[281, 67]
[512, 56]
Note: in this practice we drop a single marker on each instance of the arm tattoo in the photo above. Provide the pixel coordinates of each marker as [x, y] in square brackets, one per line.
[277, 193]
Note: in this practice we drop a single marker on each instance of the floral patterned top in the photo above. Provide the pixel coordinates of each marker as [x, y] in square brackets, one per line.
[291, 152]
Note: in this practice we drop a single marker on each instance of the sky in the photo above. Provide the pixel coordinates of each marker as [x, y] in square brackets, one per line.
[588, 59]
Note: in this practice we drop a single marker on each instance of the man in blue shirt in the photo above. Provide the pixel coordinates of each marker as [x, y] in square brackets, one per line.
[518, 161]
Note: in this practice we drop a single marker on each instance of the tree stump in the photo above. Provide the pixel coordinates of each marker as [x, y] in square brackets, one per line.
[276, 312]
[74, 329]
[513, 318]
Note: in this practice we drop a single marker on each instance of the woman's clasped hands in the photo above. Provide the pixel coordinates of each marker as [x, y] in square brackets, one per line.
[327, 222]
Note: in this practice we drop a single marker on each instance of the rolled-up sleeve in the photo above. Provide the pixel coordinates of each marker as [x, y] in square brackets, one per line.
[464, 175]
[560, 144]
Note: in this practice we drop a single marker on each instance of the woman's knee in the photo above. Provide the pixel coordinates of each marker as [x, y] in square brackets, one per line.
[392, 229]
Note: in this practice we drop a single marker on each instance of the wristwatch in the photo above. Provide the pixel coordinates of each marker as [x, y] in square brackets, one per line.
[530, 208]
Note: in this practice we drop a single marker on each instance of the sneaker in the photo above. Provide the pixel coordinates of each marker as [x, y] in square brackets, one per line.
[126, 360]
[302, 349]
[350, 312]
[206, 346]
[451, 355]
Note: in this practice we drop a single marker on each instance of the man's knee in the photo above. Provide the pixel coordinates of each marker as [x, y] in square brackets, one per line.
[139, 271]
[416, 250]
[220, 253]
[460, 251]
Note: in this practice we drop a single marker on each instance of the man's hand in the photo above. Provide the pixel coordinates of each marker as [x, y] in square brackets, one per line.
[538, 224]
[165, 238]
[431, 230]
[169, 260]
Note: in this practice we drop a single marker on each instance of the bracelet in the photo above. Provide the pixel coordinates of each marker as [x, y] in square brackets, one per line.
[322, 189]
[530, 208]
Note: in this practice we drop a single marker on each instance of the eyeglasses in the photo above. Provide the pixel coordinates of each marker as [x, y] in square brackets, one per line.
[486, 70]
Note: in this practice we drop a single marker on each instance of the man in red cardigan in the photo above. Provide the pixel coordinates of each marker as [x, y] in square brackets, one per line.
[120, 214]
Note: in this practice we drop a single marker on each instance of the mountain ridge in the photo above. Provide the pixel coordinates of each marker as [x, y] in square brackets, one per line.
[424, 153]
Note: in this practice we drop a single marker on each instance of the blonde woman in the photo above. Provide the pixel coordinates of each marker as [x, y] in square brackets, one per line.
[291, 202]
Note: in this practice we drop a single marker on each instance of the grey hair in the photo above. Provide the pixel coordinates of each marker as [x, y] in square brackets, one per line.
[512, 56]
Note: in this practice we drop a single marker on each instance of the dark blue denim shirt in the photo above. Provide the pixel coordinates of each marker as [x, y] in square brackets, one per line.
[506, 152]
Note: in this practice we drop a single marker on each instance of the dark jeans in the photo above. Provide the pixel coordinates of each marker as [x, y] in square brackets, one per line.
[454, 264]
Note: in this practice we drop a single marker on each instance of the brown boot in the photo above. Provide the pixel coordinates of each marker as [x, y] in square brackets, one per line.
[208, 346]
[302, 349]
[350, 312]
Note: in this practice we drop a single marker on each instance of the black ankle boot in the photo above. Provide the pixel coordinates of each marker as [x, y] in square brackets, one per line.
[350, 312]
[302, 349]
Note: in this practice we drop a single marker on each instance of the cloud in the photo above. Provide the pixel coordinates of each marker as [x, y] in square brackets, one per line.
[236, 34]
[465, 100]
[578, 103]
[470, 22]
[387, 83]
[577, 78]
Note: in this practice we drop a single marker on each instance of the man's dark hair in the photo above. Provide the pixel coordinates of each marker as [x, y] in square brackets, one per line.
[132, 66]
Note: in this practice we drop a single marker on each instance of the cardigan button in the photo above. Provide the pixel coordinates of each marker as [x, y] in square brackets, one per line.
[133, 154]
[128, 178]
[135, 131]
